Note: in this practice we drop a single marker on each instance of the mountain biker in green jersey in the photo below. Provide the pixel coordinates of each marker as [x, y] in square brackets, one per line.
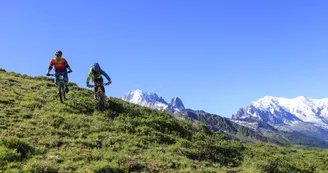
[96, 73]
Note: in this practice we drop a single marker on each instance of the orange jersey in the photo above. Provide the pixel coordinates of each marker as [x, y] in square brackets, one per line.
[59, 65]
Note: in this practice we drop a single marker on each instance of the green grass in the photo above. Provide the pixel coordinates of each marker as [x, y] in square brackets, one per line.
[39, 134]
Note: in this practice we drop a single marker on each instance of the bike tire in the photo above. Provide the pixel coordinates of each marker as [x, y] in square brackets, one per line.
[61, 92]
[97, 102]
[64, 91]
[102, 101]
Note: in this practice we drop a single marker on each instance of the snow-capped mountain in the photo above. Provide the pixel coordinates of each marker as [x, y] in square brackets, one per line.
[176, 103]
[152, 100]
[300, 114]
[248, 124]
[178, 110]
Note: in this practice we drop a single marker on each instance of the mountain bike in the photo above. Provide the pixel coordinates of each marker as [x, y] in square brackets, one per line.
[61, 85]
[100, 95]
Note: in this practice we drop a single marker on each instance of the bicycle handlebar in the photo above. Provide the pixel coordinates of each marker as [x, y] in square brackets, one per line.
[61, 73]
[91, 86]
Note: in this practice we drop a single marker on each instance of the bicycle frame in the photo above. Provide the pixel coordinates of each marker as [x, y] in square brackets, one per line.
[61, 85]
[100, 97]
[60, 76]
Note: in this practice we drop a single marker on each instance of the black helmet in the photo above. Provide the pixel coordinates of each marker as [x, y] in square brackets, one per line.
[59, 52]
[96, 65]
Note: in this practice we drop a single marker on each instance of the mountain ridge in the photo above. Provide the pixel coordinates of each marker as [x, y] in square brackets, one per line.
[300, 114]
[152, 100]
[214, 122]
[242, 131]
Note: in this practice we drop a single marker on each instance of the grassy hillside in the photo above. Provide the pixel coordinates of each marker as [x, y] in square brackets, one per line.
[39, 134]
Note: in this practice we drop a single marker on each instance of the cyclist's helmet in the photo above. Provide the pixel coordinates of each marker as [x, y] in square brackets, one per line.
[96, 66]
[59, 52]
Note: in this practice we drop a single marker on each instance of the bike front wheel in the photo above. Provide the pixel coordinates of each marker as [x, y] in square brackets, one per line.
[100, 101]
[61, 89]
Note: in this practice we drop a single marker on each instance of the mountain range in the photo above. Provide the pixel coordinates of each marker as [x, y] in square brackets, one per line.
[176, 108]
[301, 114]
[270, 119]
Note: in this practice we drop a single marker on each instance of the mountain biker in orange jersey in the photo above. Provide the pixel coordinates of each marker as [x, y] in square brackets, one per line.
[96, 73]
[61, 66]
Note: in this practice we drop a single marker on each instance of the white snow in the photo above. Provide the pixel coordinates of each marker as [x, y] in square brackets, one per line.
[176, 110]
[252, 125]
[148, 99]
[306, 109]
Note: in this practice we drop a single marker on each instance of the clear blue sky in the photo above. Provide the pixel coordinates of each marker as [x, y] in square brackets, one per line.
[215, 55]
